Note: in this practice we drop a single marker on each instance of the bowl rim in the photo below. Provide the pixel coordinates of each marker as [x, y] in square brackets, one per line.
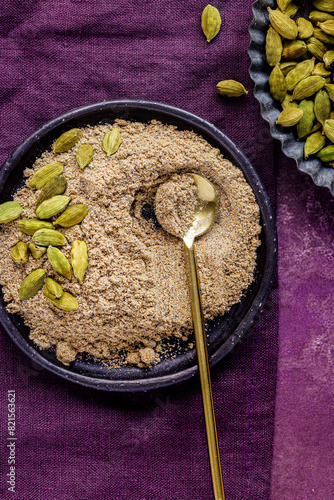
[230, 150]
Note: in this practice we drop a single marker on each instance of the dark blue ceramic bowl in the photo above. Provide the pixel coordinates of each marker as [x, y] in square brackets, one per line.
[270, 109]
[224, 332]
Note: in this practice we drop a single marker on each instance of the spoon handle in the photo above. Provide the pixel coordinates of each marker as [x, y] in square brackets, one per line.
[204, 372]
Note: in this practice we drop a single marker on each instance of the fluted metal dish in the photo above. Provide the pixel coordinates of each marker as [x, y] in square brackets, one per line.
[259, 72]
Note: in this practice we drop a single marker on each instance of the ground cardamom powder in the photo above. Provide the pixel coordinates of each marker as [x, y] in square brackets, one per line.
[134, 295]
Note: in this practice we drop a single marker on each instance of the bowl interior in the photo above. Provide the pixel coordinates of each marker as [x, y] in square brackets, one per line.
[223, 332]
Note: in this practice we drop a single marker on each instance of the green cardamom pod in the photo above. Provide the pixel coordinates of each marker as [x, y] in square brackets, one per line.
[313, 144]
[79, 259]
[277, 84]
[304, 126]
[291, 10]
[67, 140]
[327, 27]
[274, 47]
[305, 28]
[59, 262]
[283, 4]
[316, 48]
[329, 129]
[66, 302]
[325, 5]
[52, 289]
[211, 22]
[73, 215]
[308, 87]
[288, 103]
[323, 37]
[330, 90]
[322, 106]
[30, 226]
[318, 17]
[301, 71]
[294, 49]
[111, 141]
[287, 66]
[46, 173]
[32, 284]
[326, 154]
[320, 70]
[282, 23]
[36, 251]
[55, 186]
[47, 237]
[19, 252]
[84, 155]
[52, 207]
[289, 117]
[10, 210]
[329, 59]
[231, 88]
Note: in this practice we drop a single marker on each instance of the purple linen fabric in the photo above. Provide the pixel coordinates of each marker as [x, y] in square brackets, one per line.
[75, 443]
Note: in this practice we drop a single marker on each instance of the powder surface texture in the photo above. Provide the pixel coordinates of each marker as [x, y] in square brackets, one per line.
[134, 295]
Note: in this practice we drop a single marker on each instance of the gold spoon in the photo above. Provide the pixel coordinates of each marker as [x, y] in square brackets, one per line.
[204, 216]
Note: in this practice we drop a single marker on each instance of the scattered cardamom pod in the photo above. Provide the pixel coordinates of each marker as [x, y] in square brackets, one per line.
[79, 259]
[210, 22]
[326, 154]
[325, 5]
[316, 47]
[47, 237]
[291, 10]
[308, 87]
[30, 226]
[329, 129]
[59, 262]
[320, 70]
[66, 302]
[67, 140]
[316, 16]
[19, 252]
[52, 207]
[84, 155]
[32, 284]
[282, 23]
[322, 106]
[288, 103]
[10, 210]
[329, 59]
[45, 173]
[52, 289]
[36, 251]
[111, 141]
[323, 37]
[305, 28]
[327, 26]
[330, 90]
[274, 47]
[277, 84]
[287, 66]
[231, 88]
[301, 71]
[313, 144]
[305, 124]
[283, 4]
[289, 117]
[73, 215]
[56, 185]
[293, 49]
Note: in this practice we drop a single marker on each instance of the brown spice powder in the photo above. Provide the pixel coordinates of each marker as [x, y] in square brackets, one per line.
[135, 294]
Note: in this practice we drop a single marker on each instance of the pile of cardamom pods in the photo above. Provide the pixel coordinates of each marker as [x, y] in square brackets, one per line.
[52, 202]
[301, 52]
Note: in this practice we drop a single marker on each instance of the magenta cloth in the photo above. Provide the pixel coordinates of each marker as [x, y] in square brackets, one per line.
[76, 443]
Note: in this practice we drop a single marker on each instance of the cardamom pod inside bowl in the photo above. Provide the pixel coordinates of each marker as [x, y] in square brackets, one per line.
[278, 44]
[224, 332]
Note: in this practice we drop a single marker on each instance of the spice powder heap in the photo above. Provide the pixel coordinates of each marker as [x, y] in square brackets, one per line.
[134, 295]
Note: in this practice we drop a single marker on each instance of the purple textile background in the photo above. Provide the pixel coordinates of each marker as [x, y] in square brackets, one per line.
[75, 443]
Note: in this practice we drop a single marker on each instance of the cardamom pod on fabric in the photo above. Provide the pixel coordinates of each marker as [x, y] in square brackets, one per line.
[231, 88]
[32, 284]
[211, 22]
